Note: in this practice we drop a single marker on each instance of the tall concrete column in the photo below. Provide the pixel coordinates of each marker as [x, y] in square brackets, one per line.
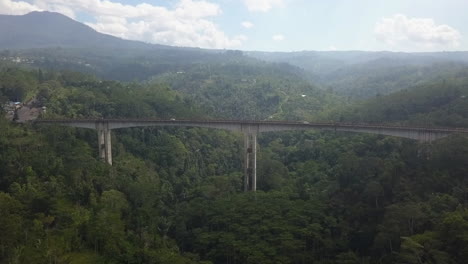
[254, 162]
[108, 146]
[250, 161]
[101, 143]
[246, 162]
[104, 142]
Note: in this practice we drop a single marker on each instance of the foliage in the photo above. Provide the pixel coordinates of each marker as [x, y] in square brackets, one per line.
[442, 102]
[174, 196]
[251, 90]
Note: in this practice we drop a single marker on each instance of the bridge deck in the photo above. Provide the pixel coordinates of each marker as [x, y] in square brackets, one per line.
[250, 129]
[156, 122]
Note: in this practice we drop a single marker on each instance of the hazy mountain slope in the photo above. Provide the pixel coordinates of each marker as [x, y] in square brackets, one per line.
[228, 83]
[315, 62]
[326, 62]
[249, 89]
[360, 74]
[53, 41]
[48, 29]
[386, 76]
[441, 102]
[123, 64]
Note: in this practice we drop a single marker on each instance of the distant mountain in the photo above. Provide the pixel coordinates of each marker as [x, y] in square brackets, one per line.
[53, 41]
[326, 62]
[364, 74]
[49, 29]
[439, 101]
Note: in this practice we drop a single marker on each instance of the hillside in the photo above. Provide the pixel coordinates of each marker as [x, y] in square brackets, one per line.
[251, 90]
[386, 76]
[361, 74]
[115, 63]
[228, 83]
[441, 101]
[53, 41]
[326, 62]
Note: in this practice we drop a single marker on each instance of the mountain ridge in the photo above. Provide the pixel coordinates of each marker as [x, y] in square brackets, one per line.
[53, 41]
[51, 29]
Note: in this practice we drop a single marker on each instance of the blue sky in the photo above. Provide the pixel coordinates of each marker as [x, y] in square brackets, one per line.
[272, 25]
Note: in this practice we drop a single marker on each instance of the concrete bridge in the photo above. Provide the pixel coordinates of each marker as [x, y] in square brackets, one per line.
[250, 129]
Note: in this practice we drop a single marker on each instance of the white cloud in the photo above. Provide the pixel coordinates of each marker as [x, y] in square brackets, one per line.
[416, 34]
[188, 23]
[331, 48]
[278, 37]
[9, 7]
[247, 24]
[262, 5]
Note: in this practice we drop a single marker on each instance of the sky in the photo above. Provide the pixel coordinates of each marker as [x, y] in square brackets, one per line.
[272, 25]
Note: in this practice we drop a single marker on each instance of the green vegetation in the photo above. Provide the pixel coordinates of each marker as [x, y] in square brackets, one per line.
[386, 76]
[443, 102]
[121, 64]
[251, 90]
[174, 195]
[362, 75]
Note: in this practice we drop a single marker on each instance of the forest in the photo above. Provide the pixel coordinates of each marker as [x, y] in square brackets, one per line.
[175, 195]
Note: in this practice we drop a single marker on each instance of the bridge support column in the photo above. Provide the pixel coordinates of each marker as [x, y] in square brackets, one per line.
[108, 146]
[104, 142]
[246, 162]
[254, 162]
[101, 144]
[250, 162]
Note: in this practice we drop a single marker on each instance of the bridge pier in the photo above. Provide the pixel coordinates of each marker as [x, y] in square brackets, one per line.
[250, 129]
[250, 162]
[108, 146]
[101, 144]
[104, 142]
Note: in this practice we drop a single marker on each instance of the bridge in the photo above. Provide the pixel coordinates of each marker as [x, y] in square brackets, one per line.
[250, 129]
